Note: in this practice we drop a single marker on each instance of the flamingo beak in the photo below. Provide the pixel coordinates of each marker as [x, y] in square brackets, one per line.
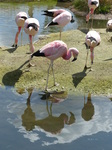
[72, 20]
[74, 59]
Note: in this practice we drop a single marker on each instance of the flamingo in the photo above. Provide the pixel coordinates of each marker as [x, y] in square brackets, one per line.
[61, 20]
[109, 25]
[92, 4]
[92, 40]
[31, 27]
[53, 12]
[20, 20]
[53, 51]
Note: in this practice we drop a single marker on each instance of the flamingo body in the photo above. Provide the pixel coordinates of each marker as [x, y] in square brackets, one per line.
[55, 50]
[20, 20]
[92, 4]
[53, 12]
[92, 40]
[61, 20]
[109, 24]
[31, 27]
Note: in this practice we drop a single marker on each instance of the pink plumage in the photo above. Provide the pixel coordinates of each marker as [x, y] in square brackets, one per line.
[109, 25]
[20, 20]
[55, 50]
[92, 4]
[31, 27]
[92, 40]
[53, 12]
[61, 20]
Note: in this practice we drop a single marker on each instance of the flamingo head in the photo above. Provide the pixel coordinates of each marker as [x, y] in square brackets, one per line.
[75, 53]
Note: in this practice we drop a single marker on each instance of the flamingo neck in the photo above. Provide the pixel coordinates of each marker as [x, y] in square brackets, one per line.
[91, 11]
[68, 55]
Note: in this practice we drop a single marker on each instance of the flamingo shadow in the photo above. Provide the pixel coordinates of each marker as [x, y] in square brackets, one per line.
[10, 50]
[78, 77]
[108, 59]
[84, 30]
[10, 78]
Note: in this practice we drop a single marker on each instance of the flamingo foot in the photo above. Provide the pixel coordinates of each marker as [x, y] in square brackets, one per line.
[31, 65]
[56, 84]
[14, 45]
[85, 67]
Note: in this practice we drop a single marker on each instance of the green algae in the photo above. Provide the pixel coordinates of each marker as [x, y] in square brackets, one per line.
[71, 76]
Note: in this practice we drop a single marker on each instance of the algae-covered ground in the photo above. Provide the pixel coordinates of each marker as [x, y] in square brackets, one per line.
[70, 76]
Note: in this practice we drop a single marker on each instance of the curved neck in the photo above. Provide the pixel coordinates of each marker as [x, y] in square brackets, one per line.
[68, 55]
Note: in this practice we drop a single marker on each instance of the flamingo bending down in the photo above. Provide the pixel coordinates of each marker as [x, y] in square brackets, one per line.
[20, 20]
[53, 12]
[61, 20]
[92, 40]
[92, 4]
[31, 27]
[53, 51]
[109, 25]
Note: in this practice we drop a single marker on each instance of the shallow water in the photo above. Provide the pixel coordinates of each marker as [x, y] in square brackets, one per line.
[32, 119]
[8, 27]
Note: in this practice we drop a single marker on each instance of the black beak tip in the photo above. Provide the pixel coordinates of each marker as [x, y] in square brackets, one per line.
[72, 21]
[74, 59]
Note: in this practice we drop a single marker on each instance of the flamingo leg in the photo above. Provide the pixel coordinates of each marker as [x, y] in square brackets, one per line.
[86, 59]
[53, 71]
[60, 32]
[91, 21]
[47, 77]
[21, 36]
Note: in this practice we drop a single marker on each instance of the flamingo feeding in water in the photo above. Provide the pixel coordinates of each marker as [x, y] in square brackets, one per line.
[20, 20]
[92, 4]
[53, 51]
[61, 20]
[31, 27]
[92, 40]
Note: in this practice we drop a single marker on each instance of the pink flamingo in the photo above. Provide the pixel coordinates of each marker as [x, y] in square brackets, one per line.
[109, 25]
[20, 20]
[92, 4]
[53, 12]
[31, 27]
[61, 20]
[53, 51]
[92, 40]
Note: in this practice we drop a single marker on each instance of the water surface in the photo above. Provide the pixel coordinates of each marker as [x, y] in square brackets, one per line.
[31, 119]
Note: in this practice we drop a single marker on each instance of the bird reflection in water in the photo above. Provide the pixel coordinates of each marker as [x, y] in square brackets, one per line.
[52, 124]
[88, 109]
[28, 118]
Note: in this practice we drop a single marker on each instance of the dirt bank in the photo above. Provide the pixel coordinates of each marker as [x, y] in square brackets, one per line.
[71, 76]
